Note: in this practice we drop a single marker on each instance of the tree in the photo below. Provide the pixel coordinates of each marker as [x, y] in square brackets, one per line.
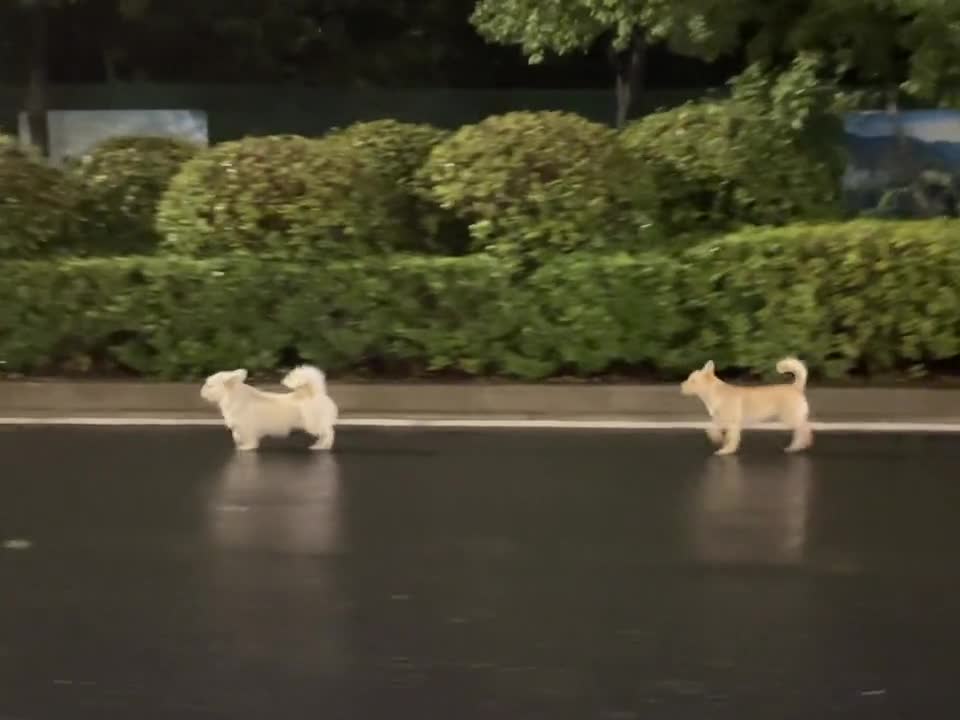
[699, 28]
[32, 19]
[910, 46]
[902, 46]
[330, 42]
[932, 37]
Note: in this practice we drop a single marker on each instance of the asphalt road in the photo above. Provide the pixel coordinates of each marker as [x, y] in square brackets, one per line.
[459, 575]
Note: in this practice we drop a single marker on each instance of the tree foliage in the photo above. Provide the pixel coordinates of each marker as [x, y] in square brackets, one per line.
[333, 42]
[540, 27]
[913, 45]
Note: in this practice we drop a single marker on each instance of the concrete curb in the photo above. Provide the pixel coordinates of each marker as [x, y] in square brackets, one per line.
[647, 402]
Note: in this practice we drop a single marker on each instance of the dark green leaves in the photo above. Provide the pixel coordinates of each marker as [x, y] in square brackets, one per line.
[122, 182]
[769, 155]
[862, 296]
[37, 203]
[277, 196]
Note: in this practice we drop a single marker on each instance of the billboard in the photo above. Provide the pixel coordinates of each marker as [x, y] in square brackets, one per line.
[74, 132]
[903, 164]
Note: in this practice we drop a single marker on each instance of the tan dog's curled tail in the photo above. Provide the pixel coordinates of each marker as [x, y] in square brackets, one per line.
[796, 368]
[307, 380]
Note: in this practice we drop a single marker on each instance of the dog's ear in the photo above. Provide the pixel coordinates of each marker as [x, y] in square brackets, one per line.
[709, 367]
[238, 376]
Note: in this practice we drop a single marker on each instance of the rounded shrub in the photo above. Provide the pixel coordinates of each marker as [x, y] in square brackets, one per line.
[280, 196]
[122, 181]
[396, 151]
[719, 165]
[537, 184]
[36, 202]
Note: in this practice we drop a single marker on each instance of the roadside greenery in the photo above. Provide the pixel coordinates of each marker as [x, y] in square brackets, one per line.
[861, 297]
[530, 245]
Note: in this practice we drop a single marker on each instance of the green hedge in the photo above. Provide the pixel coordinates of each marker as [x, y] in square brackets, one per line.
[867, 295]
[396, 151]
[526, 186]
[176, 317]
[122, 181]
[37, 203]
[725, 164]
[536, 184]
[277, 196]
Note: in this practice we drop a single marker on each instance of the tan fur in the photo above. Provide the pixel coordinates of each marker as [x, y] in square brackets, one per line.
[730, 406]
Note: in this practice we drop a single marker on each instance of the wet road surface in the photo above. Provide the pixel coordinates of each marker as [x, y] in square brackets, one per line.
[457, 575]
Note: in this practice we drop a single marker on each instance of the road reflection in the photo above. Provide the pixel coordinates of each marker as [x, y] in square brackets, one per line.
[749, 514]
[288, 502]
[275, 592]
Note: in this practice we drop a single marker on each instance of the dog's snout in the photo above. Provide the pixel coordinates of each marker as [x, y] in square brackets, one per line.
[208, 393]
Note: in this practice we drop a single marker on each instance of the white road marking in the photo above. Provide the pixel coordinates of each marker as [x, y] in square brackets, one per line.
[494, 424]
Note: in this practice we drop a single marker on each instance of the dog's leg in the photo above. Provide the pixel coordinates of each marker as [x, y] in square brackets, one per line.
[802, 438]
[715, 433]
[244, 442]
[324, 440]
[732, 441]
[802, 432]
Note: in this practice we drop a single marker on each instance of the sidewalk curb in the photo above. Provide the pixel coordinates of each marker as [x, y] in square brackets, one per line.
[661, 403]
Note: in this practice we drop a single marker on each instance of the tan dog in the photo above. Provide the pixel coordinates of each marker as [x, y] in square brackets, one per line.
[730, 406]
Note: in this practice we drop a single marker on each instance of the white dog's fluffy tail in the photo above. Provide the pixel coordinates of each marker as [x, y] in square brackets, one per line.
[307, 378]
[797, 369]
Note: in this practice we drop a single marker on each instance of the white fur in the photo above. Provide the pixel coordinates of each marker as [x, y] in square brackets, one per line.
[252, 414]
[731, 406]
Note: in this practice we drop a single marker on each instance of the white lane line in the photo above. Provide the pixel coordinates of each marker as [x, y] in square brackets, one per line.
[494, 423]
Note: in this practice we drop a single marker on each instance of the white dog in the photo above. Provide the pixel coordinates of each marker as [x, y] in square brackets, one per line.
[730, 406]
[252, 414]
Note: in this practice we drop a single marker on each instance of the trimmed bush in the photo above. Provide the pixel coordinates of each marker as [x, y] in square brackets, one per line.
[180, 318]
[866, 297]
[720, 165]
[37, 203]
[588, 314]
[538, 184]
[122, 180]
[396, 151]
[280, 197]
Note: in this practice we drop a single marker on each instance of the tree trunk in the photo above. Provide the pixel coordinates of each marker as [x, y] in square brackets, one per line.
[630, 65]
[109, 57]
[37, 92]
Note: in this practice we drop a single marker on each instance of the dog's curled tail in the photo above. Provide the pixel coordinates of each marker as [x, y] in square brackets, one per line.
[796, 368]
[306, 378]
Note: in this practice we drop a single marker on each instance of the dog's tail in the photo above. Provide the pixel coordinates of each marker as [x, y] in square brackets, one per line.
[306, 379]
[797, 369]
